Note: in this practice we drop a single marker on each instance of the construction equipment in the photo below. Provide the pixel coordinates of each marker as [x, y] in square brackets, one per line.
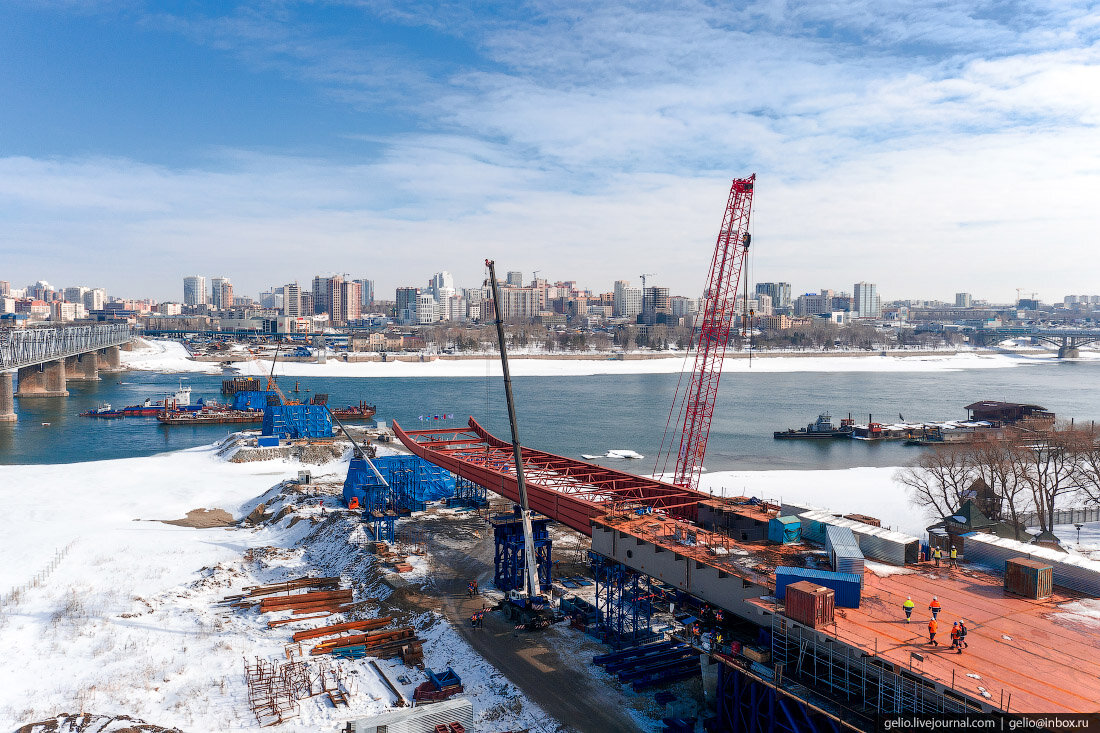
[273, 385]
[644, 275]
[696, 405]
[527, 607]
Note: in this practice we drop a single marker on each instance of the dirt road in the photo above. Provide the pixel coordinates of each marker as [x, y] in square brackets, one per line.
[560, 682]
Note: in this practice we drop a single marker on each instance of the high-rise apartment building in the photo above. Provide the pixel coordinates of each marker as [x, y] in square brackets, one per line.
[292, 300]
[813, 304]
[865, 300]
[5, 288]
[780, 293]
[963, 300]
[427, 309]
[655, 307]
[366, 293]
[351, 300]
[327, 297]
[514, 279]
[95, 299]
[406, 304]
[221, 293]
[194, 290]
[518, 304]
[75, 294]
[626, 301]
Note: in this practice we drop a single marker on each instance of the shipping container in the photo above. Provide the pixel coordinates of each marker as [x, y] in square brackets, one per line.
[809, 603]
[846, 586]
[1073, 572]
[268, 441]
[785, 530]
[876, 543]
[1029, 578]
[844, 553]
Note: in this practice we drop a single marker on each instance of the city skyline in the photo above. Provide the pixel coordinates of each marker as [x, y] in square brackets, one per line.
[930, 149]
[203, 285]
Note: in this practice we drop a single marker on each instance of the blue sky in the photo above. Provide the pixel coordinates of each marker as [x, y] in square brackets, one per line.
[931, 147]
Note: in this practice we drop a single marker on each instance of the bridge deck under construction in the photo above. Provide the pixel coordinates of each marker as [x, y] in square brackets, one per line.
[570, 491]
[1028, 655]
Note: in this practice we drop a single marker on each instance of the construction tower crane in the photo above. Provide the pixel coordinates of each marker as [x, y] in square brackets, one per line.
[696, 405]
[644, 275]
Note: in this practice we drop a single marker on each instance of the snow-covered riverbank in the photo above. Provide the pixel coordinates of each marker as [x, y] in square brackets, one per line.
[170, 356]
[126, 621]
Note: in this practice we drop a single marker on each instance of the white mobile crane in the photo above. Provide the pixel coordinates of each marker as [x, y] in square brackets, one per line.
[528, 605]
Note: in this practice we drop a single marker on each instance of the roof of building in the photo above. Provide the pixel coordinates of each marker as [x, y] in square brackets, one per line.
[996, 405]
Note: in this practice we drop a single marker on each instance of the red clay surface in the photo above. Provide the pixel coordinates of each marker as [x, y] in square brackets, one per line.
[1042, 663]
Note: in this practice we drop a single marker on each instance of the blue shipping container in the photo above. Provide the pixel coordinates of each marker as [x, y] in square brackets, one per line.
[846, 586]
[268, 441]
[784, 530]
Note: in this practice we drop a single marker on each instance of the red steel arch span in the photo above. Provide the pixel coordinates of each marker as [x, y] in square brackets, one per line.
[564, 489]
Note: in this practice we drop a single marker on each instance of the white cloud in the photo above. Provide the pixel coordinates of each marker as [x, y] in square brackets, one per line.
[930, 149]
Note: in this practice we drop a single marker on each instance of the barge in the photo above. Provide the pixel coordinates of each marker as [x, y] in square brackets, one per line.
[822, 428]
[211, 417]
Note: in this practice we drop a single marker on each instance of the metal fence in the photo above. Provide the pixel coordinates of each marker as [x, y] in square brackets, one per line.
[27, 346]
[1078, 515]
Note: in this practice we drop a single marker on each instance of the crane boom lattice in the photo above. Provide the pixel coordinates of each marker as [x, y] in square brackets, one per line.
[720, 299]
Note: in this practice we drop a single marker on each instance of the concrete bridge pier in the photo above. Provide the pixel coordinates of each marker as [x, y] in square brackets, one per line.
[1068, 352]
[43, 380]
[1068, 348]
[7, 397]
[82, 367]
[110, 359]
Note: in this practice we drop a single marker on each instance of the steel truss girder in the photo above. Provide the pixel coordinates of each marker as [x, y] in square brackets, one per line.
[567, 490]
[25, 347]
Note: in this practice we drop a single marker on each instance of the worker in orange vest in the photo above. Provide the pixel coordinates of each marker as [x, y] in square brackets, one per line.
[932, 626]
[956, 638]
[934, 607]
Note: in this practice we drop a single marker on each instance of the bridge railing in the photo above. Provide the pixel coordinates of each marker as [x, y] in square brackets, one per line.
[26, 346]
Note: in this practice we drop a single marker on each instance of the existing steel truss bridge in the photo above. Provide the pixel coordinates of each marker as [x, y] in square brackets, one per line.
[567, 490]
[25, 347]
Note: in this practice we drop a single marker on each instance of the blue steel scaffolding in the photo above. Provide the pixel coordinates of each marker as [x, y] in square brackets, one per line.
[383, 524]
[509, 562]
[468, 494]
[412, 483]
[749, 703]
[407, 484]
[624, 600]
[297, 421]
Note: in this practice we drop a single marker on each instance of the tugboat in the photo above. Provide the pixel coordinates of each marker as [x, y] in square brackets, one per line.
[181, 401]
[821, 428]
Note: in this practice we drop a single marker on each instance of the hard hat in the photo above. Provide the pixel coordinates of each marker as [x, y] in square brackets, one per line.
[908, 598]
[933, 598]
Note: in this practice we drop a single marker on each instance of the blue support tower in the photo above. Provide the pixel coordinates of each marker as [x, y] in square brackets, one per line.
[748, 702]
[412, 483]
[509, 562]
[297, 421]
[468, 494]
[383, 524]
[623, 601]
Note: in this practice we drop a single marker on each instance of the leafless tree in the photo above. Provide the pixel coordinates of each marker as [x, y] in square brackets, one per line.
[1088, 465]
[1002, 464]
[938, 479]
[1051, 468]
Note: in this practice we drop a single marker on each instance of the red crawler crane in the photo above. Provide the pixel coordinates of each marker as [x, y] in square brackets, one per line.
[697, 404]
